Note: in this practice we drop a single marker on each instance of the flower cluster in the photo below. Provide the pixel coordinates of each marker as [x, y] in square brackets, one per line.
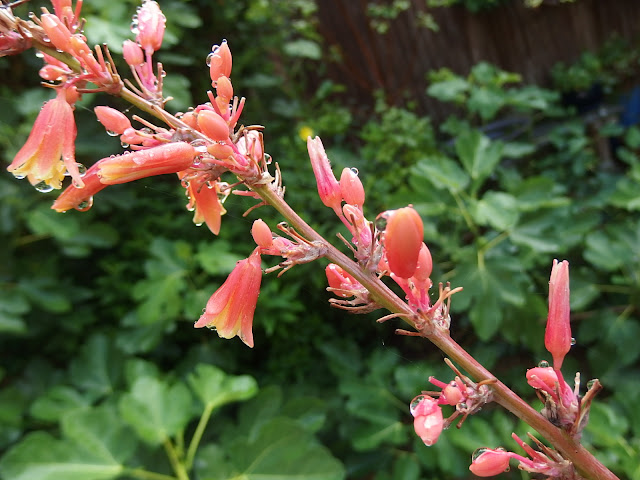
[391, 246]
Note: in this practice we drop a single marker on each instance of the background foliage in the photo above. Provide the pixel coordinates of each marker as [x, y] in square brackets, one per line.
[102, 375]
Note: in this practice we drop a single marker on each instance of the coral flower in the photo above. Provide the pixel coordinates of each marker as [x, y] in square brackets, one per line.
[427, 419]
[403, 241]
[230, 309]
[49, 151]
[204, 202]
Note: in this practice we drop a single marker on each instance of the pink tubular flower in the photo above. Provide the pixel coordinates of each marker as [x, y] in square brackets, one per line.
[167, 158]
[50, 149]
[328, 186]
[428, 422]
[557, 337]
[488, 462]
[151, 25]
[403, 241]
[80, 198]
[205, 203]
[230, 309]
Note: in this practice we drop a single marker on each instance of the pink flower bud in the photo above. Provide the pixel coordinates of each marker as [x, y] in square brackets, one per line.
[427, 422]
[403, 241]
[328, 187]
[488, 462]
[424, 265]
[557, 337]
[57, 32]
[213, 125]
[261, 234]
[132, 53]
[112, 119]
[224, 88]
[220, 62]
[351, 187]
[343, 283]
[151, 25]
[451, 395]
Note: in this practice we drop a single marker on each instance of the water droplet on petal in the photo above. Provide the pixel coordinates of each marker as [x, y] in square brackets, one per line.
[82, 170]
[39, 54]
[124, 144]
[111, 133]
[209, 58]
[573, 341]
[85, 205]
[414, 403]
[43, 187]
[543, 364]
[590, 384]
[477, 453]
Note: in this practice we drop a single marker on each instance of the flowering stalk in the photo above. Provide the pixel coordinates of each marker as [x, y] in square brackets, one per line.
[204, 143]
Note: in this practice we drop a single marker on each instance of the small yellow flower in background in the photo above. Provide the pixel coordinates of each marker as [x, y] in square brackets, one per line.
[305, 132]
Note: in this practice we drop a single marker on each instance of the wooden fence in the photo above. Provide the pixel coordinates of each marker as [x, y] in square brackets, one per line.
[515, 38]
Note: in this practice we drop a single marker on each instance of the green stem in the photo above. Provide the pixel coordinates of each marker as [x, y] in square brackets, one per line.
[147, 475]
[197, 435]
[465, 213]
[176, 464]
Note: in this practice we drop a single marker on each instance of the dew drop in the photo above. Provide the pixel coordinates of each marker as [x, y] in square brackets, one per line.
[46, 39]
[462, 406]
[111, 133]
[590, 384]
[199, 224]
[43, 187]
[354, 170]
[414, 404]
[84, 205]
[82, 170]
[543, 364]
[477, 453]
[19, 176]
[573, 341]
[39, 54]
[209, 58]
[124, 144]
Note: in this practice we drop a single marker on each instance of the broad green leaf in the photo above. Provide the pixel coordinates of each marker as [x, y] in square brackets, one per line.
[98, 368]
[486, 101]
[303, 48]
[216, 388]
[43, 457]
[498, 209]
[156, 410]
[12, 306]
[284, 450]
[101, 431]
[442, 173]
[56, 402]
[606, 424]
[479, 155]
[451, 90]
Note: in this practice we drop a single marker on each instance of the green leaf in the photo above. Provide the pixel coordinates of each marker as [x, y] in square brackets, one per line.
[98, 368]
[451, 90]
[41, 456]
[486, 101]
[12, 306]
[498, 209]
[442, 173]
[101, 431]
[56, 402]
[303, 48]
[284, 450]
[216, 388]
[155, 410]
[478, 154]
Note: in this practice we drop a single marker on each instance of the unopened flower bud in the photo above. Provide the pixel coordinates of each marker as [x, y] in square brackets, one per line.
[224, 88]
[339, 280]
[351, 187]
[220, 62]
[428, 421]
[112, 119]
[213, 125]
[451, 395]
[132, 53]
[424, 265]
[328, 187]
[57, 32]
[261, 234]
[151, 25]
[488, 462]
[557, 337]
[403, 241]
